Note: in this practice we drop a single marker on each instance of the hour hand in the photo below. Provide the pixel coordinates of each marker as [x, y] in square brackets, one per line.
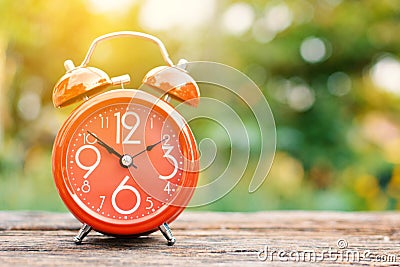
[149, 148]
[109, 149]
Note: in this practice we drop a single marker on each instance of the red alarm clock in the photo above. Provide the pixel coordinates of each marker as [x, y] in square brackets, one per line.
[125, 162]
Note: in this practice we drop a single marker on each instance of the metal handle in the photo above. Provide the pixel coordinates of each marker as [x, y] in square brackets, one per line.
[140, 35]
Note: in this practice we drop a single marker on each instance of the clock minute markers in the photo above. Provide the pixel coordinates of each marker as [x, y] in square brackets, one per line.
[125, 160]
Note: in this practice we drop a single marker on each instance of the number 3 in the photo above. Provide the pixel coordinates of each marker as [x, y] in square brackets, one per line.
[171, 158]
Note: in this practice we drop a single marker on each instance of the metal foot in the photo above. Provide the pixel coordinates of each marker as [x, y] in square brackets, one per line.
[166, 231]
[83, 232]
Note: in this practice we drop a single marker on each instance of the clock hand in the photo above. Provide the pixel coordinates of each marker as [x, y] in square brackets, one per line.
[125, 160]
[148, 148]
[109, 149]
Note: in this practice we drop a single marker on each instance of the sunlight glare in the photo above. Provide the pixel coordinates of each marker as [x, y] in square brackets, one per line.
[176, 14]
[109, 6]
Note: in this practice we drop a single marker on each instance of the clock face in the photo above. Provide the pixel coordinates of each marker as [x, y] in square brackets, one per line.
[125, 163]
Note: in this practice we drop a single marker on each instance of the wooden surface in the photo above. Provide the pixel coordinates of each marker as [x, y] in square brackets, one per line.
[223, 239]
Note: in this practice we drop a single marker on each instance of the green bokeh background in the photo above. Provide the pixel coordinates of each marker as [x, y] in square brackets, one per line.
[336, 109]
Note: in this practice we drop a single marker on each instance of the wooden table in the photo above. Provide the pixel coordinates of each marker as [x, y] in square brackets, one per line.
[283, 238]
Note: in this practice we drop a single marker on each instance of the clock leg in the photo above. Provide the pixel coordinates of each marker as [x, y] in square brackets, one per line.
[166, 231]
[83, 232]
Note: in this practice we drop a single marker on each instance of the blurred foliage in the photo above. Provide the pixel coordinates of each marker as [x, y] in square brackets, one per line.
[330, 70]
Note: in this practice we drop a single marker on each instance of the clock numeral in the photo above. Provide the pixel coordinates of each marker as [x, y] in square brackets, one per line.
[88, 139]
[166, 138]
[88, 168]
[104, 122]
[167, 154]
[123, 186]
[85, 187]
[167, 188]
[151, 204]
[121, 120]
[103, 198]
[118, 128]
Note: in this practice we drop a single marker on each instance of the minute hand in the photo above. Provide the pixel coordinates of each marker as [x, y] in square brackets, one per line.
[109, 149]
[149, 148]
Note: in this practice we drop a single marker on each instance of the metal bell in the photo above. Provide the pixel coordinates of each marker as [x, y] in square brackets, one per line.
[174, 81]
[80, 83]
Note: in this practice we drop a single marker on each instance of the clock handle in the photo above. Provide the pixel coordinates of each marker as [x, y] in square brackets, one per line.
[140, 35]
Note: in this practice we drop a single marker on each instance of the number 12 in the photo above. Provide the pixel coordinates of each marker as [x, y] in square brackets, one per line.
[131, 128]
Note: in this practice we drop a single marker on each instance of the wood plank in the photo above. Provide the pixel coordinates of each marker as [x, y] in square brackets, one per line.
[234, 239]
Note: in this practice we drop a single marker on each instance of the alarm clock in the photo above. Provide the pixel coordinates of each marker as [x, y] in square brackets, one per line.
[125, 162]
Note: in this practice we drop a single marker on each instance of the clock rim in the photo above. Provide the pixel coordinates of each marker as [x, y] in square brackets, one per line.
[149, 223]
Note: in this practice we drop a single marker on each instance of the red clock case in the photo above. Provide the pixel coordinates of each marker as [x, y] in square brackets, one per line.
[149, 223]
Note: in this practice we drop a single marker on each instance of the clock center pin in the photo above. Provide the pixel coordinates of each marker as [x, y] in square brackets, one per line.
[126, 161]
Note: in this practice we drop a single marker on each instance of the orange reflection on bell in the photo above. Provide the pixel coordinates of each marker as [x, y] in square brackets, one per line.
[79, 83]
[174, 81]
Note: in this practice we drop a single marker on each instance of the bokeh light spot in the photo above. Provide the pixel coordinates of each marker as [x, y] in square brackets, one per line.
[300, 97]
[261, 32]
[238, 18]
[29, 106]
[339, 84]
[313, 50]
[278, 17]
[386, 74]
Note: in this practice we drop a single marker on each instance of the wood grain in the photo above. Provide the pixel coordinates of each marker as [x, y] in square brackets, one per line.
[210, 239]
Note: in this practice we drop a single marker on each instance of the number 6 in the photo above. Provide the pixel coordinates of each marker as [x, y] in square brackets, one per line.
[123, 186]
